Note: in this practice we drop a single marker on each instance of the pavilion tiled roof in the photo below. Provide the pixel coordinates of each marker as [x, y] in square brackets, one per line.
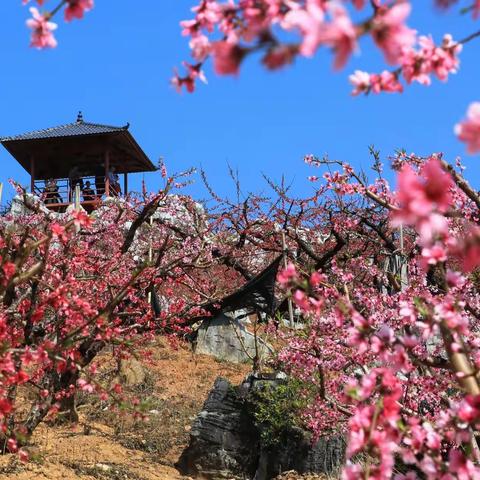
[56, 150]
[68, 130]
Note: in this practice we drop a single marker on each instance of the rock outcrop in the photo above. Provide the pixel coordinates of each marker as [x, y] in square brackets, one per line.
[223, 440]
[225, 443]
[226, 338]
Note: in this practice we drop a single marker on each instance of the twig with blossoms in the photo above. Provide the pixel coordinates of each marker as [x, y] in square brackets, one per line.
[322, 23]
[43, 28]
[415, 66]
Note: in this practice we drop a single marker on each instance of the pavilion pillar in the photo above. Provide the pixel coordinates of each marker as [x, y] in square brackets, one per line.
[125, 185]
[107, 173]
[32, 174]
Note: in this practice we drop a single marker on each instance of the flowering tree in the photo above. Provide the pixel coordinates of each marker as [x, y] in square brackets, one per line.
[73, 284]
[373, 342]
[70, 285]
[395, 360]
[376, 339]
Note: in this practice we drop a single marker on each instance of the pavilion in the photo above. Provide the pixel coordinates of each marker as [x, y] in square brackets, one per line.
[74, 153]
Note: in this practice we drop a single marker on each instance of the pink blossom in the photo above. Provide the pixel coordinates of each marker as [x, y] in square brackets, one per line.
[367, 386]
[311, 159]
[476, 9]
[385, 82]
[288, 274]
[455, 279]
[390, 33]
[432, 439]
[178, 82]
[411, 195]
[445, 58]
[462, 466]
[358, 334]
[81, 219]
[352, 471]
[339, 34]
[9, 269]
[208, 13]
[441, 61]
[382, 339]
[361, 82]
[376, 83]
[59, 232]
[310, 22]
[431, 227]
[469, 409]
[468, 131]
[301, 300]
[448, 312]
[434, 255]
[420, 196]
[414, 68]
[190, 27]
[429, 467]
[12, 445]
[23, 455]
[437, 184]
[359, 4]
[471, 257]
[468, 249]
[359, 423]
[316, 278]
[77, 8]
[195, 71]
[42, 36]
[85, 386]
[227, 57]
[200, 46]
[5, 407]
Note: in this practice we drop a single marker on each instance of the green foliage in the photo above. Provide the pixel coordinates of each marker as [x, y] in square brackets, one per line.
[277, 409]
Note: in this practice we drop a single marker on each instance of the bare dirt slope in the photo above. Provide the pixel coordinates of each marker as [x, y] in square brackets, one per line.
[109, 446]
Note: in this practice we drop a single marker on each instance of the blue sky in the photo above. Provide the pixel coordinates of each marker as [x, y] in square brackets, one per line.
[115, 66]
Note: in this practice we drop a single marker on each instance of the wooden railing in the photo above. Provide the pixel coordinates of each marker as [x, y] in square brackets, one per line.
[61, 192]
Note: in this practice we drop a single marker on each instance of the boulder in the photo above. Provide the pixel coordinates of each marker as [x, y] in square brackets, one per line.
[131, 372]
[226, 338]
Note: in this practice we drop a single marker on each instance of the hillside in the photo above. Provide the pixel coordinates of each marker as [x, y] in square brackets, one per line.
[108, 446]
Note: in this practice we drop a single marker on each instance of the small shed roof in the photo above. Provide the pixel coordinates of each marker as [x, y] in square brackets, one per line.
[83, 144]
